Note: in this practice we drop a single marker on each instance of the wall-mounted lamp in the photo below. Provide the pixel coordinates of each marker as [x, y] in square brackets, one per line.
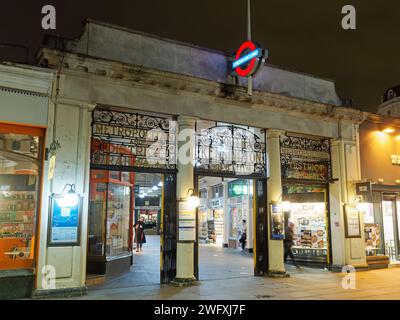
[192, 199]
[386, 128]
[68, 199]
[284, 206]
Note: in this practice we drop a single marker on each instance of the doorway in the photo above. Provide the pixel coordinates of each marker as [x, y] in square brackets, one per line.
[132, 220]
[390, 226]
[226, 233]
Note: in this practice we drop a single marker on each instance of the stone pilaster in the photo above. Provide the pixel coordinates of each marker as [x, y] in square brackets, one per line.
[185, 181]
[275, 247]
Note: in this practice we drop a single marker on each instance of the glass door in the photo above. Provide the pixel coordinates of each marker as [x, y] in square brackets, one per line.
[390, 224]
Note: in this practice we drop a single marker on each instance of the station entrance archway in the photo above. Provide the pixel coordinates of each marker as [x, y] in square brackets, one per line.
[231, 227]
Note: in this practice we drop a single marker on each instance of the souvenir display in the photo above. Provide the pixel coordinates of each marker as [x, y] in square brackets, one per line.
[17, 214]
[310, 227]
[372, 238]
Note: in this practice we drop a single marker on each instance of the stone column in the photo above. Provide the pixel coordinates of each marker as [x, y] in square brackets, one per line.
[185, 181]
[249, 224]
[275, 247]
[226, 215]
[336, 209]
[350, 173]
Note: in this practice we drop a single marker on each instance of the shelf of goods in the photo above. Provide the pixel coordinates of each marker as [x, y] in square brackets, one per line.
[17, 228]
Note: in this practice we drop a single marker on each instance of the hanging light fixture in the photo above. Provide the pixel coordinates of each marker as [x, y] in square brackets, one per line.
[68, 199]
[193, 199]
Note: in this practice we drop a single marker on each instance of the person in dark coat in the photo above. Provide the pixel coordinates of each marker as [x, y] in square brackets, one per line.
[243, 240]
[140, 236]
[288, 244]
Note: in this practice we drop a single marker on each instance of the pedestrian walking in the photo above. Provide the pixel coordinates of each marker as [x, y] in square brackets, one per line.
[288, 244]
[243, 240]
[140, 236]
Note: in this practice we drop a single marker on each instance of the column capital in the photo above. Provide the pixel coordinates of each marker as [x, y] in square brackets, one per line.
[336, 142]
[275, 133]
[186, 121]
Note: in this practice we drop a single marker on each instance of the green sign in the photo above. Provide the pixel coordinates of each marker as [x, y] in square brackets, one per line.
[237, 188]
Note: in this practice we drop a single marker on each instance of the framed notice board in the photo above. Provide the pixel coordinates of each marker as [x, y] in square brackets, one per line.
[64, 224]
[352, 222]
[186, 222]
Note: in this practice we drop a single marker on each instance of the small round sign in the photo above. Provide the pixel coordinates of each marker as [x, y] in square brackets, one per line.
[247, 59]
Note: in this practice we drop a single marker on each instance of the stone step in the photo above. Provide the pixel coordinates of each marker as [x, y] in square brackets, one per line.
[95, 279]
[394, 265]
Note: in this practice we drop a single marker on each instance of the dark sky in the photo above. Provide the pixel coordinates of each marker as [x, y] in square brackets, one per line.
[301, 35]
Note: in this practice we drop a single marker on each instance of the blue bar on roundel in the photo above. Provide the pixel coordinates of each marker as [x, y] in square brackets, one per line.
[246, 58]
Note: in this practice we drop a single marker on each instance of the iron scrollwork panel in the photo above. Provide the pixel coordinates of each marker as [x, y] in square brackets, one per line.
[230, 149]
[133, 139]
[305, 158]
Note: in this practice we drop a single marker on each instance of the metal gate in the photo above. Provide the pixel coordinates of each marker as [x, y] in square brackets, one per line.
[261, 227]
[168, 230]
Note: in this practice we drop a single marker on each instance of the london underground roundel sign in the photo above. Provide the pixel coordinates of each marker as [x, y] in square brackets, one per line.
[248, 59]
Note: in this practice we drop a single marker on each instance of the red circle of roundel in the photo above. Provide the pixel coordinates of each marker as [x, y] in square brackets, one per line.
[250, 46]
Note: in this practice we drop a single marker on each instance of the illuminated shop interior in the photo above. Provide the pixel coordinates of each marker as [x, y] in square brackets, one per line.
[19, 185]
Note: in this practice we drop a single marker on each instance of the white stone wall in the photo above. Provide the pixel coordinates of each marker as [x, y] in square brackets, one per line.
[72, 123]
[100, 82]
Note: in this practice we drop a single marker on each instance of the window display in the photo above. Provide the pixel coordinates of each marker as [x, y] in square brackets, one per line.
[309, 215]
[203, 216]
[19, 186]
[373, 239]
[110, 212]
[118, 212]
[381, 234]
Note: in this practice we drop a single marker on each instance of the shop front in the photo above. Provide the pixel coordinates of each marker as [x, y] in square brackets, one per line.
[379, 191]
[133, 177]
[21, 163]
[305, 169]
[230, 168]
[381, 225]
[24, 105]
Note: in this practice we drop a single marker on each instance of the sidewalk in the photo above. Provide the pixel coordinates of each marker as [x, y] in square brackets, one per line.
[309, 284]
[228, 274]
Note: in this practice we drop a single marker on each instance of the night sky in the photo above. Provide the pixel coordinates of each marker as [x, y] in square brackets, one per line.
[301, 35]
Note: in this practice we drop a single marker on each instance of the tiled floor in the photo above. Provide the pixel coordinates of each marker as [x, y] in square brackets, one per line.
[227, 274]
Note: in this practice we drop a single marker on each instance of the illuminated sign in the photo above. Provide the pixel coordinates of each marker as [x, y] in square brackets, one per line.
[237, 188]
[395, 159]
[248, 59]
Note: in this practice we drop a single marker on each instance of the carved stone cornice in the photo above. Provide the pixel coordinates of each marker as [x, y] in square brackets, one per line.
[173, 83]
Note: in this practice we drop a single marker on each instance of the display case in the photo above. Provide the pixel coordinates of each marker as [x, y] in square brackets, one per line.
[17, 228]
[203, 228]
[110, 220]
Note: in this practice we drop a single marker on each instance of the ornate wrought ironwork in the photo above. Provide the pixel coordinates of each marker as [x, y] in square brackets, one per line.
[305, 158]
[133, 140]
[229, 149]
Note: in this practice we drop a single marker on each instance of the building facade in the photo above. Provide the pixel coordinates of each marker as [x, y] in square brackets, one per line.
[125, 105]
[379, 149]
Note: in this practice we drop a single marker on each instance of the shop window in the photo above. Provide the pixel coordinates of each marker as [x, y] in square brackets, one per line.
[309, 215]
[218, 191]
[110, 212]
[20, 156]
